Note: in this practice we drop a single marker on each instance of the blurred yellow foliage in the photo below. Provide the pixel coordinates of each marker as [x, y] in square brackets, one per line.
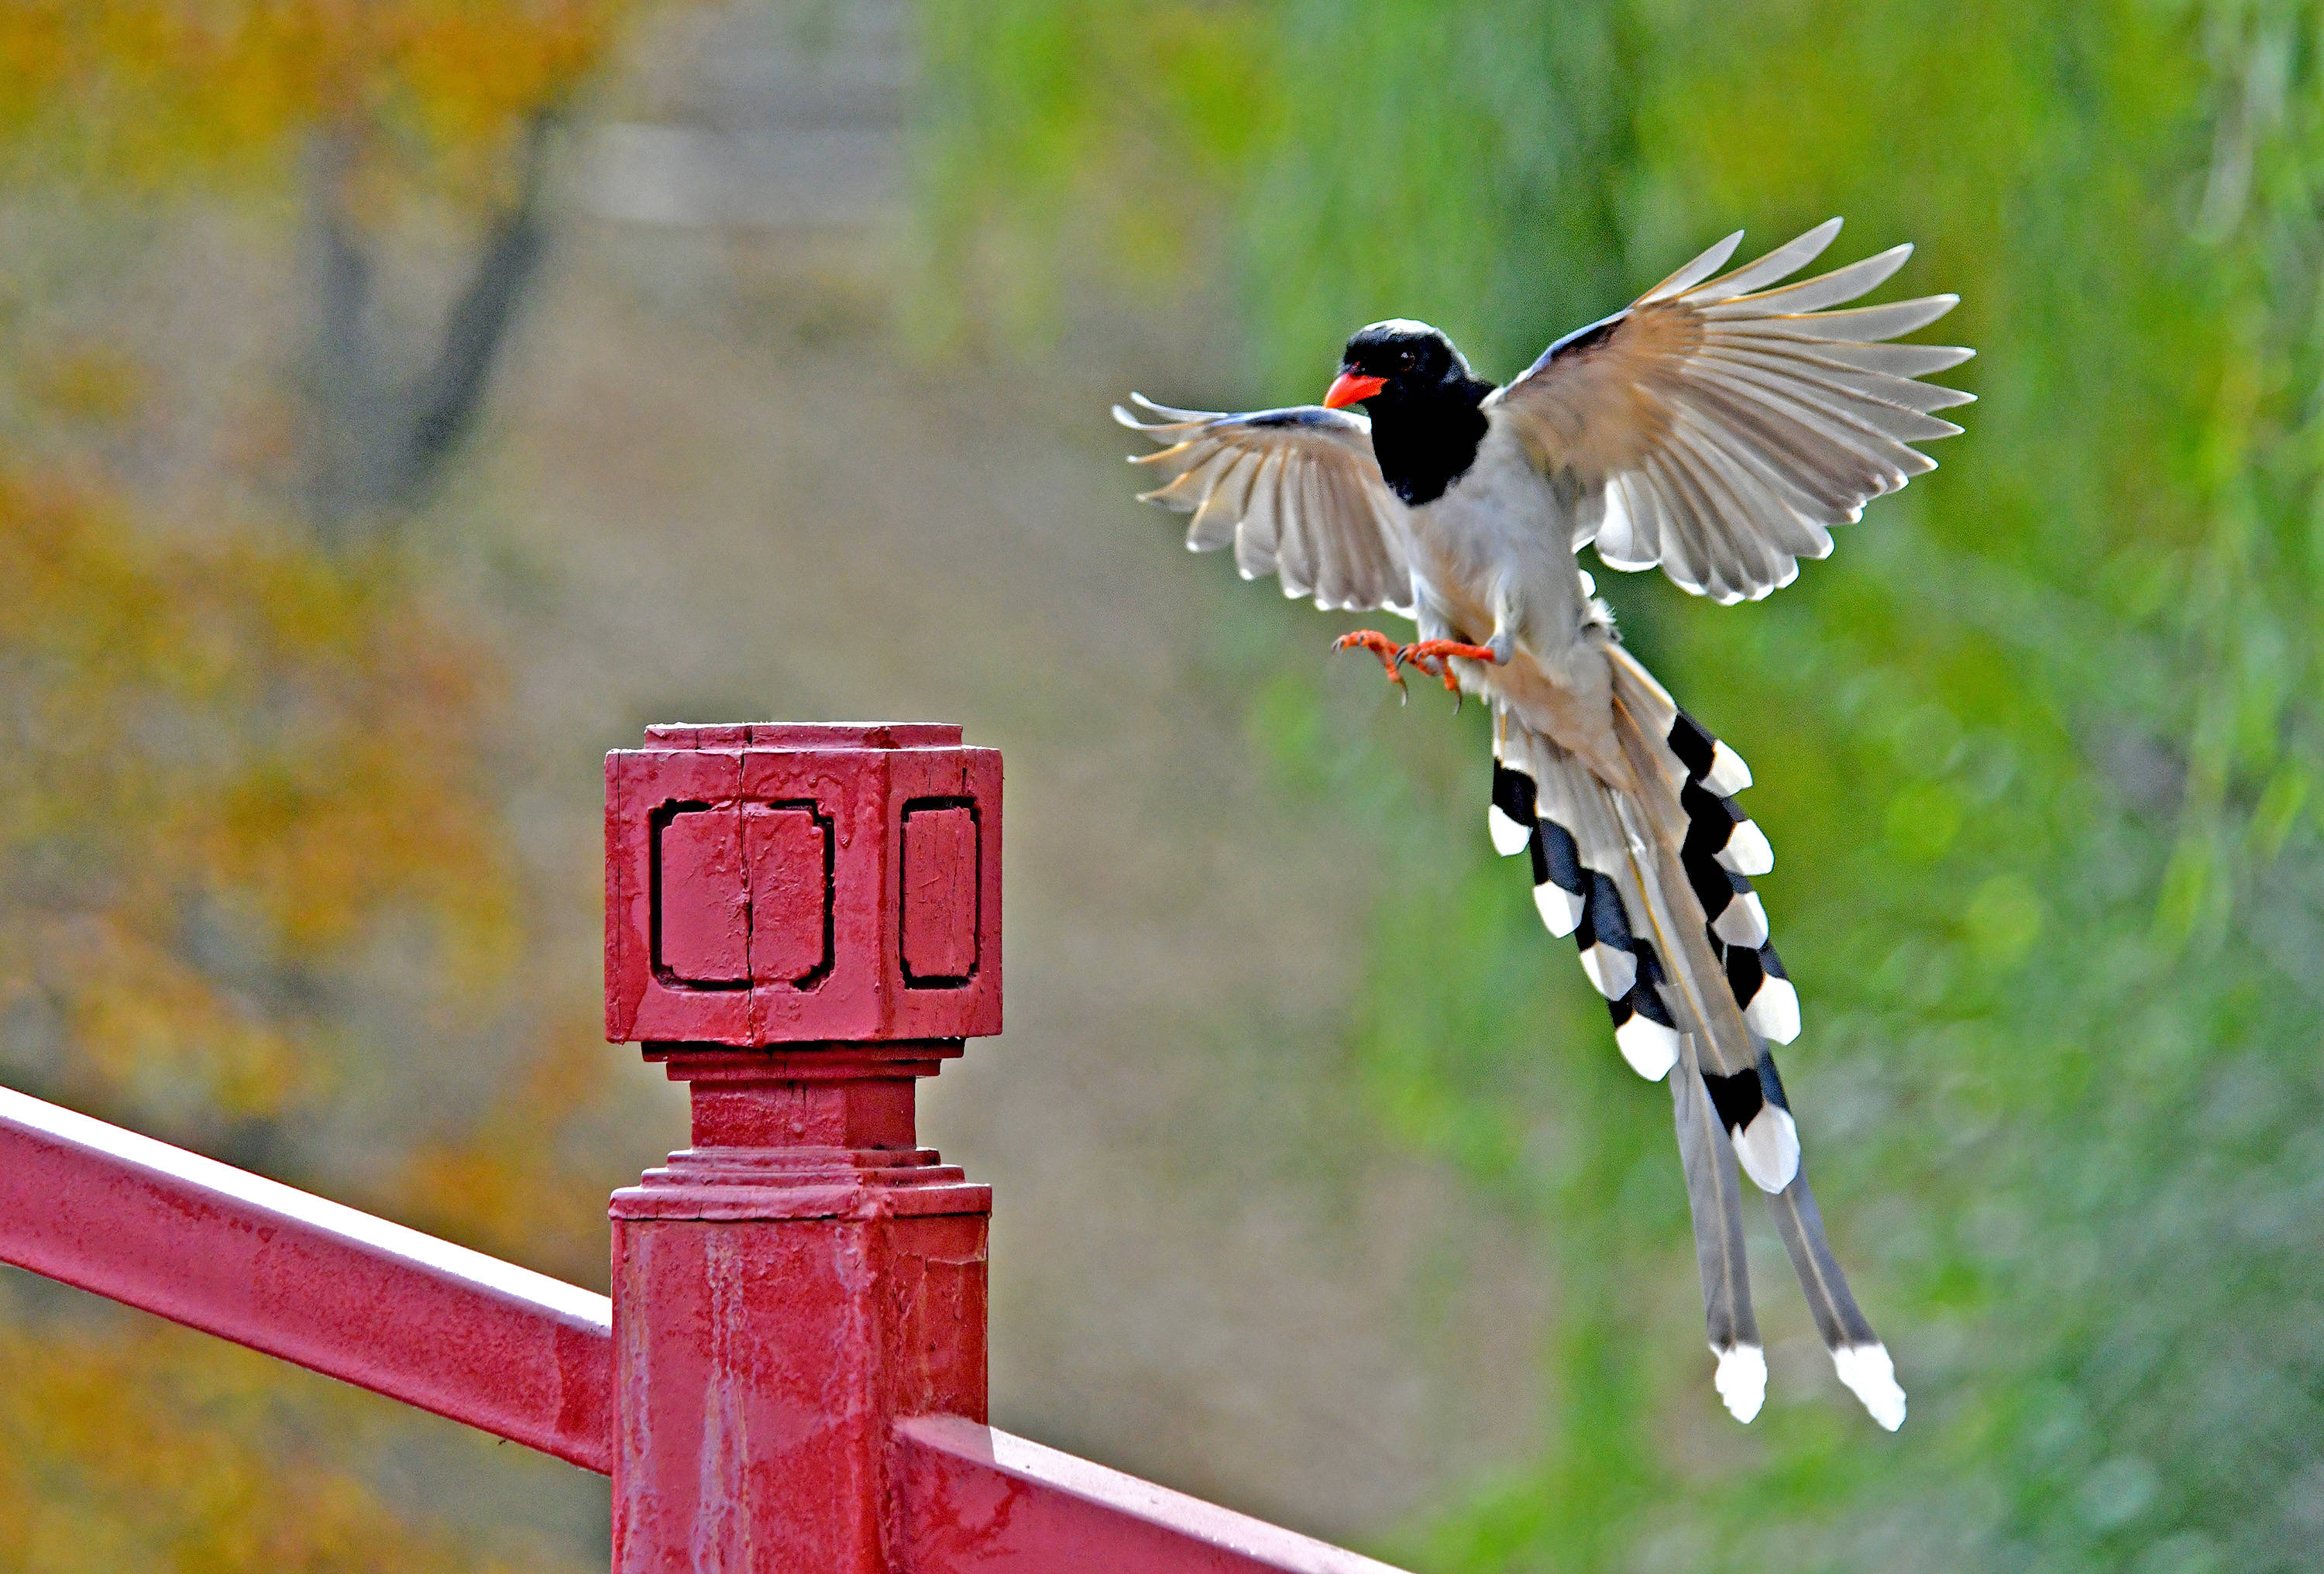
[86, 381]
[86, 1490]
[258, 740]
[147, 92]
[240, 743]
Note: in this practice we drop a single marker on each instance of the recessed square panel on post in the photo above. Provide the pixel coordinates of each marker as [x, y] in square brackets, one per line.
[939, 894]
[788, 883]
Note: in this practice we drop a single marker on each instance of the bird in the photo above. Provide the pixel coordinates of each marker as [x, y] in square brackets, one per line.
[1721, 425]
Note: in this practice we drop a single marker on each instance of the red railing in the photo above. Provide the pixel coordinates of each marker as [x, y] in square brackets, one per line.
[800, 922]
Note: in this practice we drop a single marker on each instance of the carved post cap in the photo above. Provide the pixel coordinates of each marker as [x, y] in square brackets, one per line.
[775, 883]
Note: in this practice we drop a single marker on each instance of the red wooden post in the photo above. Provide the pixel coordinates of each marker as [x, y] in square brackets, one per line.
[799, 921]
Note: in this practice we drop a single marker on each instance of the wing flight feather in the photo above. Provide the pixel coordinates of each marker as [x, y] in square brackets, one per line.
[1297, 493]
[1720, 427]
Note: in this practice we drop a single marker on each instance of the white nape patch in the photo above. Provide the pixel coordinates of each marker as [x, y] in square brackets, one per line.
[1561, 909]
[1589, 586]
[1742, 1380]
[1610, 970]
[1871, 1376]
[1651, 1048]
[1773, 1013]
[1728, 774]
[1769, 1149]
[1747, 852]
[1743, 922]
[1508, 836]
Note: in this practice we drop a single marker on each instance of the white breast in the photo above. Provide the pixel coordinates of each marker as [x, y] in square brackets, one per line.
[1500, 538]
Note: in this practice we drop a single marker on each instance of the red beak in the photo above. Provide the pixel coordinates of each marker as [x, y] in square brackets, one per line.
[1351, 387]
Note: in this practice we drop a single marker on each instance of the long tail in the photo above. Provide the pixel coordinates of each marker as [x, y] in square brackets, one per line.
[1651, 880]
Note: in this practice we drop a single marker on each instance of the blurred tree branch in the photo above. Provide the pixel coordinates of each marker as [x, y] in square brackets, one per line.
[381, 440]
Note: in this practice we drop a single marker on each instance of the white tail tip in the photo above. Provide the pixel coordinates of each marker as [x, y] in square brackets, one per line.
[1871, 1376]
[1773, 1013]
[1747, 852]
[1560, 909]
[1651, 1048]
[1743, 922]
[1742, 1380]
[1769, 1149]
[1508, 836]
[1612, 972]
[1728, 774]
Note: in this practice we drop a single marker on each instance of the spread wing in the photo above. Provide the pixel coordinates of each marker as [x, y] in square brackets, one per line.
[1296, 491]
[1721, 428]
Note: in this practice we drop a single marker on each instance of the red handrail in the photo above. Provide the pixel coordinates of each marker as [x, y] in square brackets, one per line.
[977, 1500]
[516, 1353]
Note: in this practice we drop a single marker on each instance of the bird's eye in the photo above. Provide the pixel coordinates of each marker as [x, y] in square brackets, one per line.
[1406, 360]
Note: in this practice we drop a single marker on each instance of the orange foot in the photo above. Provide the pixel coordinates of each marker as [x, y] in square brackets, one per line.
[1390, 653]
[1393, 656]
[1436, 650]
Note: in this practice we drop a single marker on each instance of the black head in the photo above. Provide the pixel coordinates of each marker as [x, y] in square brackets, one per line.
[1396, 362]
[1423, 401]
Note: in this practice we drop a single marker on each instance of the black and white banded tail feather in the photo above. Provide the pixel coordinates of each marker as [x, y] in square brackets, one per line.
[1651, 880]
[1715, 1198]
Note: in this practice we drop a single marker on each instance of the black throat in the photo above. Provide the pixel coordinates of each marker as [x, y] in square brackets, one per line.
[1425, 438]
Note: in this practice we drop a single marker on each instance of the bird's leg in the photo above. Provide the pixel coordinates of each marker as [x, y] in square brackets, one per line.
[1436, 650]
[1428, 655]
[1494, 652]
[1390, 653]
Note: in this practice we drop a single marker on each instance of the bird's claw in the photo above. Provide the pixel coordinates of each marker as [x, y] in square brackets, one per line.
[1430, 656]
[1440, 651]
[1390, 653]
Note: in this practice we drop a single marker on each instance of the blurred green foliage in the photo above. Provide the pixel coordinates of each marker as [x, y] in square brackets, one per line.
[2036, 747]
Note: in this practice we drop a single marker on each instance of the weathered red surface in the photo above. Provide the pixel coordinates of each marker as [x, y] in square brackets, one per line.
[465, 1335]
[770, 884]
[705, 935]
[976, 1500]
[787, 852]
[939, 864]
[783, 1290]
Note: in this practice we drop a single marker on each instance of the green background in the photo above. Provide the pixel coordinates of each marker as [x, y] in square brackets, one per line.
[2035, 746]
